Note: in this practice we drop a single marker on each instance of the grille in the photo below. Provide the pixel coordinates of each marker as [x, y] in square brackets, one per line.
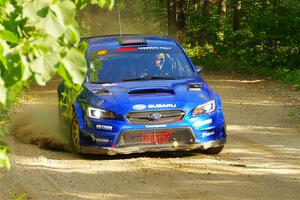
[155, 136]
[166, 116]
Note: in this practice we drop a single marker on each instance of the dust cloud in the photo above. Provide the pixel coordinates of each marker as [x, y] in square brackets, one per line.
[36, 120]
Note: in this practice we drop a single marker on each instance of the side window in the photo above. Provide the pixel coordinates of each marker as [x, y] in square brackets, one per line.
[183, 67]
[180, 68]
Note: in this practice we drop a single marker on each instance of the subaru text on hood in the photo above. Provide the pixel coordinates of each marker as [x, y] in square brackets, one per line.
[141, 93]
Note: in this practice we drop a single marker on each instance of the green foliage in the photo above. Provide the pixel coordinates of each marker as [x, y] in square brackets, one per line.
[294, 114]
[13, 94]
[37, 40]
[20, 196]
[269, 33]
[267, 44]
[199, 51]
[4, 160]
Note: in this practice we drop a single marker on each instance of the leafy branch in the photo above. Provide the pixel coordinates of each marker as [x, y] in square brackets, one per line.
[38, 39]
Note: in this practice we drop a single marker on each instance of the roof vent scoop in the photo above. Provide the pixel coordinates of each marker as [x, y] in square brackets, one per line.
[132, 41]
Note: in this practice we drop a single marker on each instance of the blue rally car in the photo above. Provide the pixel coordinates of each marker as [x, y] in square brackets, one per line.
[141, 93]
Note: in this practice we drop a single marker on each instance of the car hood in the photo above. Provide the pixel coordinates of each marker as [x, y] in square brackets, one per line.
[149, 95]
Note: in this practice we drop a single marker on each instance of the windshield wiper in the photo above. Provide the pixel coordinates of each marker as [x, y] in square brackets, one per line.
[150, 78]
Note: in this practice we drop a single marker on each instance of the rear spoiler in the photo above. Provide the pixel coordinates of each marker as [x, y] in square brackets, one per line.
[107, 36]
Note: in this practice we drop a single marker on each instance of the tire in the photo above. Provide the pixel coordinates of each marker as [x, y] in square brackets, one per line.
[75, 135]
[213, 150]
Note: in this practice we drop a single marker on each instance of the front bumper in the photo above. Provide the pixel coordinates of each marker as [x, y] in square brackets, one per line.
[152, 148]
[207, 131]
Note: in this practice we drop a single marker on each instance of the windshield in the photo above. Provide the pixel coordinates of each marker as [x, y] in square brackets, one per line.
[138, 63]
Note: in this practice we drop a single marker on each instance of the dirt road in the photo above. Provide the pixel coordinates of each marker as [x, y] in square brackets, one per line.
[260, 161]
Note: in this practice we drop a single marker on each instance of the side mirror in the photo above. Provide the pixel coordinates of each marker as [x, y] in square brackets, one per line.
[199, 68]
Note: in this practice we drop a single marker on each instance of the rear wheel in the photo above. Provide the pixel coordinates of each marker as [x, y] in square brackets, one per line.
[213, 150]
[75, 135]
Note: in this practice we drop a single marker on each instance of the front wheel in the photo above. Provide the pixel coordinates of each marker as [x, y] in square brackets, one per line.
[213, 150]
[75, 135]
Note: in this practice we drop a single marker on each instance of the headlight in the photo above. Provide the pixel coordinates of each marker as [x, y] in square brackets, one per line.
[97, 113]
[205, 108]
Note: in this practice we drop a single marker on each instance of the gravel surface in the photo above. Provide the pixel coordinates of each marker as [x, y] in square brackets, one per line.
[260, 161]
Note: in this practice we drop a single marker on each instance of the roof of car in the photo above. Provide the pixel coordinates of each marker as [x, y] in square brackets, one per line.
[115, 41]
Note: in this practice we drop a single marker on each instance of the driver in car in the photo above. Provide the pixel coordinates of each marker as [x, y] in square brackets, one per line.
[160, 68]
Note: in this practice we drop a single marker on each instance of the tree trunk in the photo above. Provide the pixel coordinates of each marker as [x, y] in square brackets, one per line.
[180, 18]
[172, 24]
[222, 13]
[204, 30]
[222, 18]
[237, 6]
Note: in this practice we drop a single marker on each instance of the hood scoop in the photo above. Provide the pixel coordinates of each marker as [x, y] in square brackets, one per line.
[195, 86]
[101, 91]
[151, 91]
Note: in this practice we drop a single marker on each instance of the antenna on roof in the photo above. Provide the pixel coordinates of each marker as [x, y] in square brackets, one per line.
[120, 22]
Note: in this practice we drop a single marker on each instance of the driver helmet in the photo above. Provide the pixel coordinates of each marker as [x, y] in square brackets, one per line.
[160, 59]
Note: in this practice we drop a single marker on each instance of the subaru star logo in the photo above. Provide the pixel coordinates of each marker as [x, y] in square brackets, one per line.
[155, 116]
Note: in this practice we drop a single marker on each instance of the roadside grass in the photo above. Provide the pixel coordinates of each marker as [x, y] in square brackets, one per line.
[13, 98]
[206, 57]
[20, 196]
[279, 74]
[294, 114]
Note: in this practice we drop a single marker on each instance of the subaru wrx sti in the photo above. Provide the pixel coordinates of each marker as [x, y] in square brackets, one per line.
[141, 93]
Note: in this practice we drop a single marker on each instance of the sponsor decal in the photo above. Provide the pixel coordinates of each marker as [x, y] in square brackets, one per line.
[157, 138]
[155, 48]
[139, 107]
[202, 123]
[100, 139]
[156, 126]
[153, 106]
[100, 102]
[125, 49]
[110, 84]
[206, 134]
[162, 105]
[103, 127]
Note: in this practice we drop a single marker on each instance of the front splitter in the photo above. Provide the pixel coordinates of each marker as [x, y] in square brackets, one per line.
[152, 148]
